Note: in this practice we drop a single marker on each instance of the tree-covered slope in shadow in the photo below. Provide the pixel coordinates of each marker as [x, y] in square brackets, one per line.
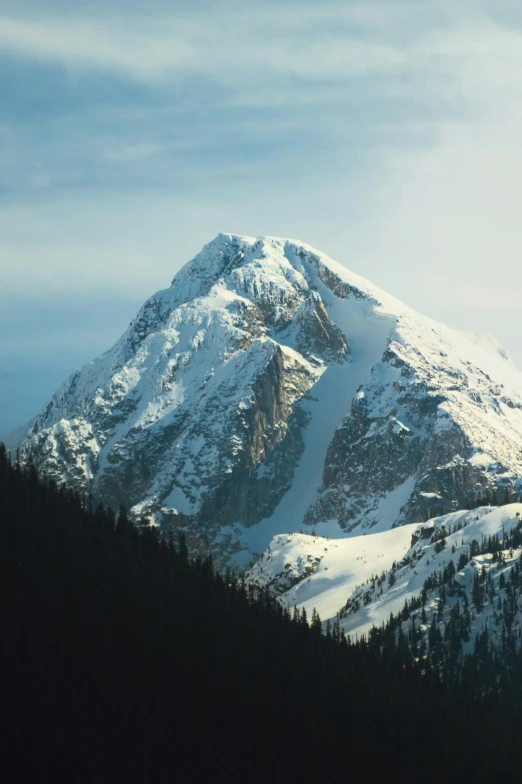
[123, 661]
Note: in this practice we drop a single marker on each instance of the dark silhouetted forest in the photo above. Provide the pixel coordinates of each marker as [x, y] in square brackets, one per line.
[122, 661]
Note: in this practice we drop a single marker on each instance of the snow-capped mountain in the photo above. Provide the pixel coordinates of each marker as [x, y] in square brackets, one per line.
[446, 587]
[269, 389]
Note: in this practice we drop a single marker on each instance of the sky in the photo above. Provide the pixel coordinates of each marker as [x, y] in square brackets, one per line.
[386, 134]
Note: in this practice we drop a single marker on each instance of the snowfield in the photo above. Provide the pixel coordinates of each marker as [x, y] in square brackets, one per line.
[316, 571]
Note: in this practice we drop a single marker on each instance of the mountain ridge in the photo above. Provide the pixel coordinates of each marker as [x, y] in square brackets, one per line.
[270, 388]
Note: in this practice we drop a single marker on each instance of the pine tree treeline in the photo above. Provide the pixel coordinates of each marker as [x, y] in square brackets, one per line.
[493, 664]
[125, 661]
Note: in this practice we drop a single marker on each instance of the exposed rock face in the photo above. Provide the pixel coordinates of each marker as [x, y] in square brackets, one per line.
[194, 417]
[269, 388]
[428, 426]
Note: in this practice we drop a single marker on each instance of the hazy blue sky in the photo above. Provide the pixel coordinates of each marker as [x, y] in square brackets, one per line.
[387, 134]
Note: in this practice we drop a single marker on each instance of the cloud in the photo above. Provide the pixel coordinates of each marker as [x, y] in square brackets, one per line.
[85, 44]
[402, 119]
[386, 134]
[230, 48]
[448, 212]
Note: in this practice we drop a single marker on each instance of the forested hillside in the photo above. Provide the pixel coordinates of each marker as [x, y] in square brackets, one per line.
[454, 599]
[124, 661]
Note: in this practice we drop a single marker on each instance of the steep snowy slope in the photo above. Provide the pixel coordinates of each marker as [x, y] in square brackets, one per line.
[269, 388]
[438, 422]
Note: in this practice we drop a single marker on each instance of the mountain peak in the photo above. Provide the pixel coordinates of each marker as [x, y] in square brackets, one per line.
[268, 263]
[271, 388]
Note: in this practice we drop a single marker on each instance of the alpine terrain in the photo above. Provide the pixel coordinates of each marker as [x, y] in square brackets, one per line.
[269, 390]
[448, 591]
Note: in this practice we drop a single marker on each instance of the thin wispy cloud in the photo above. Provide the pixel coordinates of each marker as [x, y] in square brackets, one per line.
[87, 44]
[232, 44]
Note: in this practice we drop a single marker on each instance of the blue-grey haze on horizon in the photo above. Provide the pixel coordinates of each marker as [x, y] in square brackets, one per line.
[386, 134]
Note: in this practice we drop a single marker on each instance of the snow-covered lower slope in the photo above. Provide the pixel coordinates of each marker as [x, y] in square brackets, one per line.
[269, 389]
[372, 604]
[318, 572]
[460, 573]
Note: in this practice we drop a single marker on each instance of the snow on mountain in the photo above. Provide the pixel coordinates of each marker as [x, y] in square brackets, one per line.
[461, 573]
[319, 572]
[439, 409]
[268, 389]
[441, 541]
